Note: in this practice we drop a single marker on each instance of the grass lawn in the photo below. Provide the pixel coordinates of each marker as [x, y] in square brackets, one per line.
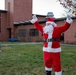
[27, 59]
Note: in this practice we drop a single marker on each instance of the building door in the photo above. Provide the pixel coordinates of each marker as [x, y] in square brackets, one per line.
[9, 32]
[62, 37]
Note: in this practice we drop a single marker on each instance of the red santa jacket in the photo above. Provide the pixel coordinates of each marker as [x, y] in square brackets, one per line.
[56, 34]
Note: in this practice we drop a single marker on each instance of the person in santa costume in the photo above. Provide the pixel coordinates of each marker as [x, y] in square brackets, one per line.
[51, 47]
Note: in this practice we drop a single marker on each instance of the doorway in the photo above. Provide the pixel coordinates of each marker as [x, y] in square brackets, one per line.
[9, 32]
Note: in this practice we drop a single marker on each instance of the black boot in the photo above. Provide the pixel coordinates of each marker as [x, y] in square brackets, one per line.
[48, 72]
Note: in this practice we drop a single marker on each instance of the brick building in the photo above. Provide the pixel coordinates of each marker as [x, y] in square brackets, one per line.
[13, 23]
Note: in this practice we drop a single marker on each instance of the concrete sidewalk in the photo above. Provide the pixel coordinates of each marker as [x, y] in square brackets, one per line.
[23, 43]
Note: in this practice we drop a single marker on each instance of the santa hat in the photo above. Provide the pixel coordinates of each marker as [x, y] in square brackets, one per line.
[51, 21]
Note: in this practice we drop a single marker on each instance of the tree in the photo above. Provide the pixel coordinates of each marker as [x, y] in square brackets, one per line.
[70, 5]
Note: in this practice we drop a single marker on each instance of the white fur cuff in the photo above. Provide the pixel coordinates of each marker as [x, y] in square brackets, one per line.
[69, 21]
[33, 20]
[48, 69]
[58, 73]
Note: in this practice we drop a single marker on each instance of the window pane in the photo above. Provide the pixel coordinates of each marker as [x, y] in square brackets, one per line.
[21, 33]
[34, 32]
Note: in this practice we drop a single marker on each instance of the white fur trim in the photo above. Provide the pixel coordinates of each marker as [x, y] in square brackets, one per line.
[48, 29]
[50, 35]
[34, 19]
[48, 69]
[51, 23]
[69, 20]
[58, 73]
[49, 49]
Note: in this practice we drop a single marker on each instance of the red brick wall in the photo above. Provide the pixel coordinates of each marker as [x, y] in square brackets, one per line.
[70, 34]
[28, 38]
[22, 10]
[17, 10]
[4, 32]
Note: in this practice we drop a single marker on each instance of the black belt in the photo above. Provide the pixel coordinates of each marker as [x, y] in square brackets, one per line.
[51, 40]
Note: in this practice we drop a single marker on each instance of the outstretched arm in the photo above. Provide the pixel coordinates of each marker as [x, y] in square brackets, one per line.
[67, 23]
[36, 23]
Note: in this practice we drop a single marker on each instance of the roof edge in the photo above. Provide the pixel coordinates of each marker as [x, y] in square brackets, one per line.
[3, 11]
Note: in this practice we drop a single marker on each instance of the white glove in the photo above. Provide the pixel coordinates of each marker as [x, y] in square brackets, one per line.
[69, 19]
[34, 19]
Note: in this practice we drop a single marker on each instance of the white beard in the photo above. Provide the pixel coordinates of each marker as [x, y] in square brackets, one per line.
[48, 29]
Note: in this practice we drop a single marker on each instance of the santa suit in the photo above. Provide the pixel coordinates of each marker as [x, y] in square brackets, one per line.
[51, 46]
[52, 49]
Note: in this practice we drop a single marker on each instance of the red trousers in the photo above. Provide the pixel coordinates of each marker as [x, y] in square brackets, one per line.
[52, 60]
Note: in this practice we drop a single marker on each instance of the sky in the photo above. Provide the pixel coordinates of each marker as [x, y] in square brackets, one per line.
[42, 7]
[2, 6]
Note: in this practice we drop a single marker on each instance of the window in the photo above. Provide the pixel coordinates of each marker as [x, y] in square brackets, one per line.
[34, 32]
[22, 33]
